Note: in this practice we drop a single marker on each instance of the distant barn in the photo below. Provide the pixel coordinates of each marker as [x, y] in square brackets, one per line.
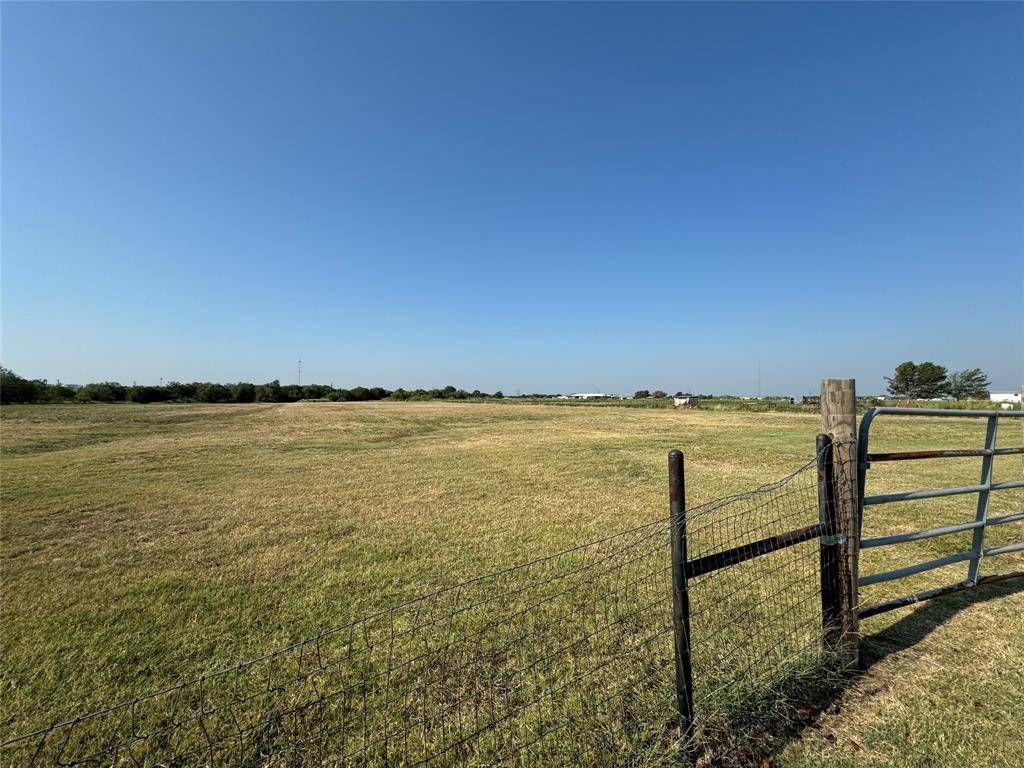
[687, 401]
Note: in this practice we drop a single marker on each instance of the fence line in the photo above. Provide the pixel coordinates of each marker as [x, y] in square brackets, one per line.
[566, 659]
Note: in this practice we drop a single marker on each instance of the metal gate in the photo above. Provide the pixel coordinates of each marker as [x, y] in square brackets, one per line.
[978, 525]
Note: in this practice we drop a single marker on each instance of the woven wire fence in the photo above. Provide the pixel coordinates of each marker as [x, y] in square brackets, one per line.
[756, 626]
[565, 660]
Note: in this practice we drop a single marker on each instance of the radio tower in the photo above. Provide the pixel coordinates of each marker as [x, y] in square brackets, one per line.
[300, 372]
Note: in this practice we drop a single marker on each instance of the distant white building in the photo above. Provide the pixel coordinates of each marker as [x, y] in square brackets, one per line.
[1005, 397]
[587, 396]
[688, 401]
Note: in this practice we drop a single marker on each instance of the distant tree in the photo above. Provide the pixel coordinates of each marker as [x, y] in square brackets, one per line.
[208, 392]
[178, 391]
[290, 393]
[315, 391]
[499, 395]
[15, 389]
[101, 392]
[243, 392]
[915, 381]
[56, 393]
[399, 394]
[678, 394]
[641, 394]
[146, 394]
[969, 384]
[269, 393]
[657, 394]
[360, 393]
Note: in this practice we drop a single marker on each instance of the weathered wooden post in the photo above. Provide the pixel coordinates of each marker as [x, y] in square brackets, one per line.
[839, 422]
[680, 598]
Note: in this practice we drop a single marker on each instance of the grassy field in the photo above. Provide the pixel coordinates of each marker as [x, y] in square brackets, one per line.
[145, 544]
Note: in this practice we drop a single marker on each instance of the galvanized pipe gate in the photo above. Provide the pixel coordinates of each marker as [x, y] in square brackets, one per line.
[981, 522]
[841, 500]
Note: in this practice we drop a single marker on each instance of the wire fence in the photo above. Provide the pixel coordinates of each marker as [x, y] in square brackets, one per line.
[755, 585]
[565, 660]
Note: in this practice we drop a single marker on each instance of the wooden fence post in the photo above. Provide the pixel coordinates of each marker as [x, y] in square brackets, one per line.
[680, 599]
[839, 422]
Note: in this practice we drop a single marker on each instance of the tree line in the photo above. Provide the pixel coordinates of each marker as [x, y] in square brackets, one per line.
[925, 381]
[17, 389]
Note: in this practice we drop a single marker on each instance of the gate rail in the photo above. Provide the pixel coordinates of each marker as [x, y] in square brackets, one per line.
[979, 525]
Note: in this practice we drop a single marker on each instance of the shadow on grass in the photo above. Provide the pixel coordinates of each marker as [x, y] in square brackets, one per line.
[914, 627]
[904, 634]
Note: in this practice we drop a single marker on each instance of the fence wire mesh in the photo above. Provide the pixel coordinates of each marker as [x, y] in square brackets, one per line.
[565, 660]
[756, 627]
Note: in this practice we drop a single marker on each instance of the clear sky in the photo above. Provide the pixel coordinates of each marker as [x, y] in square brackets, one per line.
[527, 197]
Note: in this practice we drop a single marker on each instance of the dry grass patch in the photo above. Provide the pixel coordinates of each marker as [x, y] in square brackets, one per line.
[144, 544]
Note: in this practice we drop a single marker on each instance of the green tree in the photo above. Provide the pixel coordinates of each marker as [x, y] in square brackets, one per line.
[658, 394]
[917, 382]
[641, 394]
[499, 395]
[101, 392]
[269, 393]
[143, 394]
[360, 393]
[208, 392]
[315, 391]
[58, 392]
[243, 392]
[178, 391]
[15, 389]
[968, 385]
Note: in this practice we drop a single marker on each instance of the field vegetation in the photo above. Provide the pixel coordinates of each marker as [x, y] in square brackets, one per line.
[146, 544]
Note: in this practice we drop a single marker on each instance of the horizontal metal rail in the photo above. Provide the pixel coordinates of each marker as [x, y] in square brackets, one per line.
[1006, 518]
[938, 562]
[900, 538]
[952, 453]
[1019, 547]
[951, 412]
[910, 570]
[874, 610]
[710, 563]
[935, 493]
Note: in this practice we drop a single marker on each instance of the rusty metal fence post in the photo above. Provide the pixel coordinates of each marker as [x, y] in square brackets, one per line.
[680, 598]
[829, 546]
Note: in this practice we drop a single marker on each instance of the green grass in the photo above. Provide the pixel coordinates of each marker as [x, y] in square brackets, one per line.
[146, 544]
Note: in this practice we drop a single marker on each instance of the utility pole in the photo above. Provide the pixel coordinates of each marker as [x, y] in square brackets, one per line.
[300, 372]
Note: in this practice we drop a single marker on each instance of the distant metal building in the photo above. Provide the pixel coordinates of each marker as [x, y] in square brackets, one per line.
[1004, 397]
[687, 401]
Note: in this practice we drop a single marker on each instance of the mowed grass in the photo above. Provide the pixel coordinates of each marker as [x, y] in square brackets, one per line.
[146, 544]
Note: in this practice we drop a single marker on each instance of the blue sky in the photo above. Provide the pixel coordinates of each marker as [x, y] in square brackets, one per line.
[525, 197]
